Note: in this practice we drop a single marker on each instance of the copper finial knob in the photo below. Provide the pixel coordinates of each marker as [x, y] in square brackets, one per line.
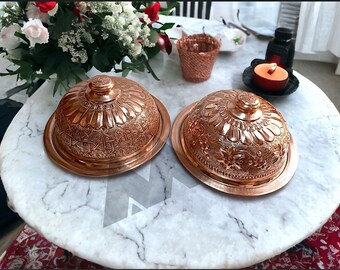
[101, 89]
[247, 107]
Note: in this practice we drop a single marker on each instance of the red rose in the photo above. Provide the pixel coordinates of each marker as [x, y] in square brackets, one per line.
[46, 6]
[164, 43]
[75, 11]
[152, 11]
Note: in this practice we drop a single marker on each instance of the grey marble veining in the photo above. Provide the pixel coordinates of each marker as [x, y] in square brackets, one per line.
[158, 215]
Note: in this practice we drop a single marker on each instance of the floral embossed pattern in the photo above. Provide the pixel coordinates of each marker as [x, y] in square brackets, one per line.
[218, 111]
[107, 130]
[239, 136]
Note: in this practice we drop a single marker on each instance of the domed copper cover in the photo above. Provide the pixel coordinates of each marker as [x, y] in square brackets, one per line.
[236, 142]
[105, 126]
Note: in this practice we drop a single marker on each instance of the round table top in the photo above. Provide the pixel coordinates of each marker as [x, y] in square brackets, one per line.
[158, 215]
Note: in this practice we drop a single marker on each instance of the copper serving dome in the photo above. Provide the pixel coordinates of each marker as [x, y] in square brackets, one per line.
[105, 126]
[236, 142]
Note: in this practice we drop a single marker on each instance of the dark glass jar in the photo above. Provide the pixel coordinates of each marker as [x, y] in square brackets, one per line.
[281, 48]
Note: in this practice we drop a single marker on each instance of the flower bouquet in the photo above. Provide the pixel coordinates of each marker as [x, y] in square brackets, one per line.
[66, 39]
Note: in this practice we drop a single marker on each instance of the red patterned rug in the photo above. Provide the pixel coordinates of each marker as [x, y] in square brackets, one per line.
[319, 251]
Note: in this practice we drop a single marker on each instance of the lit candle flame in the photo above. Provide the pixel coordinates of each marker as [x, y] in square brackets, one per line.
[272, 68]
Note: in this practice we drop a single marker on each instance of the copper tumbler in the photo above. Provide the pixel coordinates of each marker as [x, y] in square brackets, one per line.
[197, 54]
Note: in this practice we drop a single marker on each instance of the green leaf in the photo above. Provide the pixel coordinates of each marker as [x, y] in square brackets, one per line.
[153, 35]
[22, 4]
[34, 87]
[140, 5]
[96, 19]
[64, 70]
[135, 65]
[152, 51]
[149, 68]
[10, 72]
[22, 36]
[113, 50]
[171, 6]
[125, 72]
[101, 62]
[166, 26]
[16, 89]
[78, 73]
[56, 87]
[60, 85]
[63, 22]
[106, 56]
[25, 70]
[54, 60]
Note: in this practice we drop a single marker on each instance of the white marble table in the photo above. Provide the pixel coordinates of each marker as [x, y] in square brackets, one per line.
[159, 216]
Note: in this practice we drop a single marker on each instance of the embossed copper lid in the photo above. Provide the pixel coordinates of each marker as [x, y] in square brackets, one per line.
[236, 142]
[105, 126]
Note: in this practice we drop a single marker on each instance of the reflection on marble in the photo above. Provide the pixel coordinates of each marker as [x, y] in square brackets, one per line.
[160, 216]
[145, 186]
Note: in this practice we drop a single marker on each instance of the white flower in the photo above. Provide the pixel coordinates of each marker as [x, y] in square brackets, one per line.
[87, 37]
[116, 8]
[133, 31]
[125, 24]
[144, 17]
[109, 22]
[32, 11]
[10, 4]
[136, 49]
[121, 21]
[126, 39]
[35, 32]
[128, 7]
[7, 38]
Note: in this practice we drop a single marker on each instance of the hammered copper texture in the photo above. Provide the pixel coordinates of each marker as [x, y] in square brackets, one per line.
[107, 123]
[197, 55]
[238, 139]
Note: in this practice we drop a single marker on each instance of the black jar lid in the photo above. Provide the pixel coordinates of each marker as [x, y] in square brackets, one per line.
[283, 33]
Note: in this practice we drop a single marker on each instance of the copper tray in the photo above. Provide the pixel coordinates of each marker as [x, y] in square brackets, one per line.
[212, 180]
[106, 168]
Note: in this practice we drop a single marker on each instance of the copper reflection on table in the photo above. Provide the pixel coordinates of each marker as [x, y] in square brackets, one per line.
[105, 126]
[236, 142]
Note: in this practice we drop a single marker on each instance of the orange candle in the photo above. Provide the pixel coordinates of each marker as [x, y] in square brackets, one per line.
[270, 77]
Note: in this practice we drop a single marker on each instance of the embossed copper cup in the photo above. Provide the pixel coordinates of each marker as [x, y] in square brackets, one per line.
[236, 142]
[197, 54]
[105, 126]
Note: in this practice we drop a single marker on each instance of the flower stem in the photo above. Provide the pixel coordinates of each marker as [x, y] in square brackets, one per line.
[149, 68]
